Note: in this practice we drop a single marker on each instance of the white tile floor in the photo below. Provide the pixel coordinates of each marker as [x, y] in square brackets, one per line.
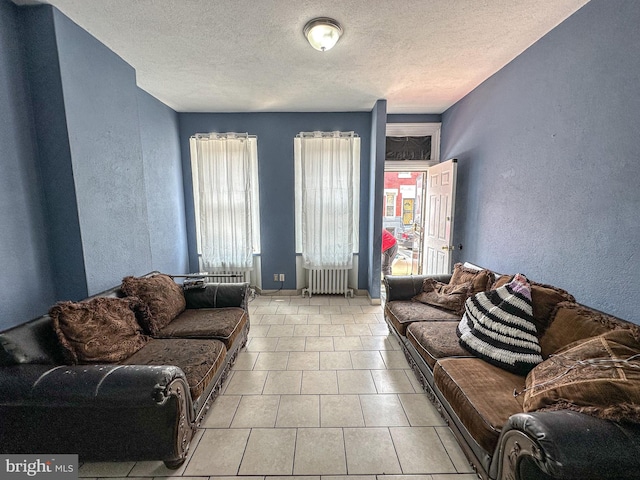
[320, 391]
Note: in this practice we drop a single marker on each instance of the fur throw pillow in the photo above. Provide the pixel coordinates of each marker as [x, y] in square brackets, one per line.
[100, 330]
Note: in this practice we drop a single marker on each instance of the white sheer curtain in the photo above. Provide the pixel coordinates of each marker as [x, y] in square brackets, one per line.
[225, 190]
[327, 177]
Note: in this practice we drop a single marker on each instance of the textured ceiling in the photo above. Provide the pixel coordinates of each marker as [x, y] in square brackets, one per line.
[250, 55]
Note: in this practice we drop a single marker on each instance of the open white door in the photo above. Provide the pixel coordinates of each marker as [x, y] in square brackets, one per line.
[440, 206]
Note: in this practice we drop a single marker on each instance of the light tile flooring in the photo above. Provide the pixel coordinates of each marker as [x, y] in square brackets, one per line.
[320, 391]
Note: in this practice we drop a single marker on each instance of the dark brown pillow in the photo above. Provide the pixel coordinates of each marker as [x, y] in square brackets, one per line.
[100, 330]
[598, 376]
[163, 296]
[449, 297]
[481, 280]
[544, 298]
[571, 322]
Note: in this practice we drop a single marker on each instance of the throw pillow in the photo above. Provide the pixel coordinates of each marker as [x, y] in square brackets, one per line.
[544, 299]
[498, 327]
[449, 297]
[163, 296]
[103, 329]
[481, 280]
[571, 322]
[599, 376]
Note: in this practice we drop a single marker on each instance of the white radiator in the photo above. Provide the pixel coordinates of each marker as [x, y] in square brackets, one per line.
[327, 281]
[227, 276]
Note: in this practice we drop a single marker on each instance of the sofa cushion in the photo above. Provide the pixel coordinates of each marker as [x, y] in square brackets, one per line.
[544, 299]
[435, 340]
[163, 296]
[98, 330]
[401, 313]
[599, 376]
[497, 326]
[484, 406]
[571, 322]
[200, 360]
[449, 297]
[481, 280]
[220, 323]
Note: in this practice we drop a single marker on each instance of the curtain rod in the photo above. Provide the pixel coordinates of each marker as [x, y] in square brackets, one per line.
[318, 134]
[215, 135]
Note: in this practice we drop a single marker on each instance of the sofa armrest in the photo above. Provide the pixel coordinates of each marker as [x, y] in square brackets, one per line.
[218, 295]
[113, 386]
[567, 445]
[404, 287]
[100, 412]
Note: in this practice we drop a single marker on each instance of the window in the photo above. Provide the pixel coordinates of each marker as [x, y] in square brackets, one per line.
[412, 146]
[327, 176]
[390, 203]
[225, 193]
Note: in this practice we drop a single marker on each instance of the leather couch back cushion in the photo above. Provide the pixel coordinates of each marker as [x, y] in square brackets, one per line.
[163, 296]
[544, 299]
[216, 295]
[98, 330]
[32, 342]
[571, 322]
[582, 377]
[484, 406]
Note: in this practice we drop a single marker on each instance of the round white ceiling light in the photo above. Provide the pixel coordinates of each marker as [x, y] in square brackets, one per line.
[323, 33]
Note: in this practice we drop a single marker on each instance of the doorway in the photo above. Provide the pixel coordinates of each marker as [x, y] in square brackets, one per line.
[411, 148]
[404, 194]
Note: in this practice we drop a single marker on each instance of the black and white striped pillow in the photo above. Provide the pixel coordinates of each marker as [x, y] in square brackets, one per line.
[498, 327]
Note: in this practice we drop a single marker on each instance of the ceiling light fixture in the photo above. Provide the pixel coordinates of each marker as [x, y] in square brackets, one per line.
[323, 33]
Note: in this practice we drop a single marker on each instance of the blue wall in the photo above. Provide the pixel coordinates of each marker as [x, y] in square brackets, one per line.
[276, 132]
[100, 101]
[376, 192]
[26, 289]
[414, 118]
[91, 180]
[549, 164]
[163, 181]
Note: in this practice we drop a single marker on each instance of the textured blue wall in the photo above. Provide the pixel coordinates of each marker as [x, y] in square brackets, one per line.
[54, 155]
[414, 118]
[163, 180]
[376, 193]
[549, 164]
[275, 133]
[91, 172]
[25, 282]
[100, 101]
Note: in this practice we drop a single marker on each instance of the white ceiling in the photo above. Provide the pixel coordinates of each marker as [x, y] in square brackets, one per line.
[251, 56]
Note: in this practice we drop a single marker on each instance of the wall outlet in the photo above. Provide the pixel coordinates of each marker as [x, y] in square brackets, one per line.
[275, 277]
[282, 277]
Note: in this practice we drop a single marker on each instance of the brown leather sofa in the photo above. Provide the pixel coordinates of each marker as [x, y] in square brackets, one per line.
[493, 413]
[146, 406]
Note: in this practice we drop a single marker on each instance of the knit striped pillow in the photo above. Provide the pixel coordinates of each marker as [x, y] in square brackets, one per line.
[498, 327]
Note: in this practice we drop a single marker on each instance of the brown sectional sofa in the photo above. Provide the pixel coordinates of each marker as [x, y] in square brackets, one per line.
[174, 349]
[562, 423]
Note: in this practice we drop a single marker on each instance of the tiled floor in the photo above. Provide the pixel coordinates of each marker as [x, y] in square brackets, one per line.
[321, 391]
